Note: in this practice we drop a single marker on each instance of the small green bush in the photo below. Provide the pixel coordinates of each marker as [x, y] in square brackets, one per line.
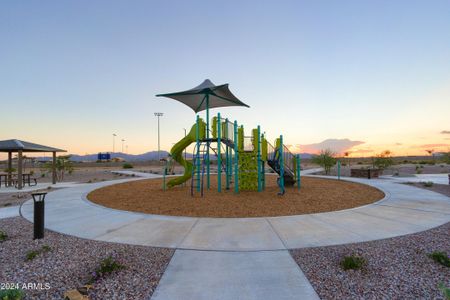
[445, 290]
[359, 163]
[353, 262]
[441, 258]
[3, 236]
[428, 183]
[419, 172]
[127, 166]
[32, 254]
[107, 266]
[12, 294]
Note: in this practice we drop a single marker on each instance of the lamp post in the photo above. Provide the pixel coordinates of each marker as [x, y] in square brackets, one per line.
[114, 142]
[158, 114]
[123, 140]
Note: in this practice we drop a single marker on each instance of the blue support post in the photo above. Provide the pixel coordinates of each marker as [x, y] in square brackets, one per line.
[219, 155]
[281, 166]
[197, 160]
[227, 158]
[258, 158]
[297, 160]
[207, 138]
[236, 159]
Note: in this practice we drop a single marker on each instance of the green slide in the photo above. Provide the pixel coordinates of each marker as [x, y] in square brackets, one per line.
[176, 153]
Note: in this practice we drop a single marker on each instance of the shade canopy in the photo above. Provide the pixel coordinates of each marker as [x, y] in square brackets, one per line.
[196, 98]
[17, 145]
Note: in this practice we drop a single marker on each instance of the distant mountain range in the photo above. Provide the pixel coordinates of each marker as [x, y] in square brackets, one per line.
[152, 155]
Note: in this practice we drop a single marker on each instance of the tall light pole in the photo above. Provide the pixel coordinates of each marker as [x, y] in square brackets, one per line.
[158, 114]
[114, 142]
[122, 144]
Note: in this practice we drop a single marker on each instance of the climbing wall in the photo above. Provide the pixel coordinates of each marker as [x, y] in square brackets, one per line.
[248, 171]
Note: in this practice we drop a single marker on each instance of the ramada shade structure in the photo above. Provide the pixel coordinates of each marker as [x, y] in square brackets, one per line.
[13, 146]
[205, 96]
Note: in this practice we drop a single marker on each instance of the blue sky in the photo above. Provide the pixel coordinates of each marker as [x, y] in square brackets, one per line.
[74, 72]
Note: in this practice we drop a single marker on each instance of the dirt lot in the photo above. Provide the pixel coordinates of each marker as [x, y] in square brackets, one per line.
[316, 195]
[401, 169]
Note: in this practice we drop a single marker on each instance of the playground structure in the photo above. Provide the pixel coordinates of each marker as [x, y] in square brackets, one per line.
[242, 159]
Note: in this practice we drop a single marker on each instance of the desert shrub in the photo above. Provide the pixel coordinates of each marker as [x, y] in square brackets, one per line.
[9, 170]
[359, 163]
[3, 236]
[32, 254]
[428, 183]
[423, 162]
[325, 159]
[353, 262]
[383, 160]
[441, 258]
[127, 166]
[418, 171]
[107, 266]
[12, 294]
[63, 166]
[445, 290]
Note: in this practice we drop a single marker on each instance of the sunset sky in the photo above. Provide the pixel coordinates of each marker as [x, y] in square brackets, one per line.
[362, 76]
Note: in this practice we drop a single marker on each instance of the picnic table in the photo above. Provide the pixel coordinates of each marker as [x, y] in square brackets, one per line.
[10, 180]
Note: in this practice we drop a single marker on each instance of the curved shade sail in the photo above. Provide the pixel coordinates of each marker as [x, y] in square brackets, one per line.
[195, 98]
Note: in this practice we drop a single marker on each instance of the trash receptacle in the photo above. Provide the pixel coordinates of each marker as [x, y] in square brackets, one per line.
[39, 212]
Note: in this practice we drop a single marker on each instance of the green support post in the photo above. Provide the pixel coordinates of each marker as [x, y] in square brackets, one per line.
[219, 155]
[227, 158]
[207, 138]
[258, 158]
[197, 138]
[297, 161]
[339, 169]
[236, 159]
[281, 166]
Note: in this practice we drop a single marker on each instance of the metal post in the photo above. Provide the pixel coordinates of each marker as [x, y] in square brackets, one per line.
[227, 158]
[207, 138]
[197, 137]
[219, 158]
[258, 158]
[236, 159]
[281, 166]
[19, 170]
[158, 114]
[297, 160]
[54, 168]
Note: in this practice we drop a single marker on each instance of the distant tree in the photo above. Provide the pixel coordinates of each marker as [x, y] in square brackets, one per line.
[347, 155]
[63, 166]
[383, 160]
[431, 153]
[326, 159]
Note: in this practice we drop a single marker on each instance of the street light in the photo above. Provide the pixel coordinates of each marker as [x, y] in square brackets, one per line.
[122, 144]
[158, 114]
[114, 142]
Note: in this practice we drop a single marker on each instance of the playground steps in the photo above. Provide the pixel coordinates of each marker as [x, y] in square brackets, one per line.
[273, 160]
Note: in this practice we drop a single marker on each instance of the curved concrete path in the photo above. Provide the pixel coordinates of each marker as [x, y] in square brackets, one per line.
[239, 268]
[404, 210]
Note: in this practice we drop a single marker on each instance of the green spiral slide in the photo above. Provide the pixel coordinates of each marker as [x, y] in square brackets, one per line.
[176, 153]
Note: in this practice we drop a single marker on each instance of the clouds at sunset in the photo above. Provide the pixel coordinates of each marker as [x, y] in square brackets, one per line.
[336, 145]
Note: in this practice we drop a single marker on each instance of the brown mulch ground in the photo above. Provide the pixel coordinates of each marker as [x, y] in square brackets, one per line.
[71, 261]
[316, 195]
[396, 268]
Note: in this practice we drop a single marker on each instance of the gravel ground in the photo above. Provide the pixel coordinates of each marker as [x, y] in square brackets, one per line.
[71, 261]
[315, 195]
[397, 268]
